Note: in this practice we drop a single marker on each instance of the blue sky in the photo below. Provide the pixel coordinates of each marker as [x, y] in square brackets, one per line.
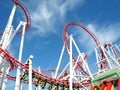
[48, 17]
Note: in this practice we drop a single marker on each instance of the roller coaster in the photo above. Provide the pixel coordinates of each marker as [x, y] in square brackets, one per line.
[76, 75]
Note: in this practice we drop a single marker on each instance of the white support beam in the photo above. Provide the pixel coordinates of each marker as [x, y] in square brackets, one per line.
[3, 79]
[71, 69]
[17, 84]
[30, 72]
[13, 33]
[5, 38]
[81, 55]
[59, 62]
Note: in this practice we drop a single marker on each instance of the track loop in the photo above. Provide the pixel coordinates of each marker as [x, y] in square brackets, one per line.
[28, 20]
[27, 16]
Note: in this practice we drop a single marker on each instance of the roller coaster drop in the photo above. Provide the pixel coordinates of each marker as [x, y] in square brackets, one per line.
[76, 75]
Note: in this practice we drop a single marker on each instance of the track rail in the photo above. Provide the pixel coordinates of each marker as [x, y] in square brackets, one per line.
[27, 16]
[15, 63]
[66, 36]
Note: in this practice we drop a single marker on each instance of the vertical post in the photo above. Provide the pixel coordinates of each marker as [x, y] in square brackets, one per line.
[30, 72]
[71, 70]
[13, 32]
[17, 85]
[3, 80]
[2, 77]
[5, 38]
[5, 77]
[39, 72]
[22, 85]
[7, 28]
[9, 36]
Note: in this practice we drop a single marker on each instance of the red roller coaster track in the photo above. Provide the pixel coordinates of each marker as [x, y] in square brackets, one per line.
[65, 36]
[28, 20]
[7, 56]
[14, 63]
[27, 16]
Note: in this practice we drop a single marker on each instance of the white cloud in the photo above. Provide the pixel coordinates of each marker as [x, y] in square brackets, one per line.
[107, 33]
[110, 33]
[41, 19]
[46, 14]
[69, 5]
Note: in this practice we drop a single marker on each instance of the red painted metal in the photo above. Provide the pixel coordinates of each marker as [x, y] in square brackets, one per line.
[118, 88]
[65, 37]
[103, 86]
[14, 63]
[109, 86]
[27, 16]
[114, 50]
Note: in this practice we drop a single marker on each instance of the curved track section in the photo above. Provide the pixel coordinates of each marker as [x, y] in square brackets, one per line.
[66, 36]
[43, 78]
[14, 63]
[28, 20]
[27, 16]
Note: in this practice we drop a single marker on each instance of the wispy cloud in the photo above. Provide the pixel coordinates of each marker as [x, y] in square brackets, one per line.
[46, 14]
[69, 5]
[107, 33]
